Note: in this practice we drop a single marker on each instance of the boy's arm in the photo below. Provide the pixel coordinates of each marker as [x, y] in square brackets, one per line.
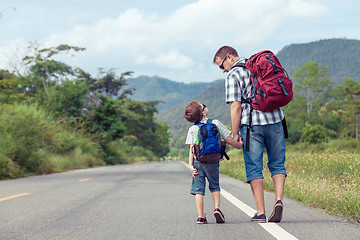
[234, 143]
[191, 161]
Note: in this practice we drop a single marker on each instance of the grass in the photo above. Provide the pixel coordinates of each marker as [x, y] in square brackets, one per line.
[323, 179]
[32, 142]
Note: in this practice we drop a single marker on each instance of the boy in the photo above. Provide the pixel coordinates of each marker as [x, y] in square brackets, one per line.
[196, 112]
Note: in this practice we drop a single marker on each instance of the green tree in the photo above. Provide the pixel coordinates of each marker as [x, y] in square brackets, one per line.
[110, 84]
[67, 99]
[45, 72]
[9, 88]
[106, 119]
[142, 129]
[351, 89]
[312, 84]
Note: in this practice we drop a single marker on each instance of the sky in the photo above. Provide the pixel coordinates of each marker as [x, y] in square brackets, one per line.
[173, 39]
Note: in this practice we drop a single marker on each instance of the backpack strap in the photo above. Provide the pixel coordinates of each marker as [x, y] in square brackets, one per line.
[239, 64]
[200, 123]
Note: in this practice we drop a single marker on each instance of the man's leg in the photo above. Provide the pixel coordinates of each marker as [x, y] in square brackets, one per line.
[257, 188]
[276, 163]
[279, 184]
[254, 166]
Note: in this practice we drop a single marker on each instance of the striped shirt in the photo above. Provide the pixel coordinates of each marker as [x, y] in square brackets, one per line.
[193, 130]
[238, 85]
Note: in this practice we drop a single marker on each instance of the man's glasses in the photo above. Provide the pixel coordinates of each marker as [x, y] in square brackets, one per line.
[222, 64]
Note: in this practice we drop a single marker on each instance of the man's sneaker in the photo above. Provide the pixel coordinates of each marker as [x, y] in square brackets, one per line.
[260, 219]
[201, 220]
[276, 215]
[219, 216]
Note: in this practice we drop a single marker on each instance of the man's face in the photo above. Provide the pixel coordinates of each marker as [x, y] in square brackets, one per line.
[223, 63]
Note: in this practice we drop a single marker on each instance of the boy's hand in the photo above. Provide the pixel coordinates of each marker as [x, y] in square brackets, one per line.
[237, 137]
[194, 171]
[241, 143]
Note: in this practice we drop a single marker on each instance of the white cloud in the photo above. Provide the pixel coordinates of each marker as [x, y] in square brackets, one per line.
[188, 37]
[306, 10]
[171, 60]
[203, 22]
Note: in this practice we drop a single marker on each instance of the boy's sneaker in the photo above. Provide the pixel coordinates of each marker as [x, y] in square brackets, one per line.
[201, 220]
[219, 216]
[276, 215]
[259, 219]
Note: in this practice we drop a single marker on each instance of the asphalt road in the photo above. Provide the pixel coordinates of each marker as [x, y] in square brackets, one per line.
[147, 201]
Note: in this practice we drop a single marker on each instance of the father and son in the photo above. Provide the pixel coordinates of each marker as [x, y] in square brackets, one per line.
[266, 133]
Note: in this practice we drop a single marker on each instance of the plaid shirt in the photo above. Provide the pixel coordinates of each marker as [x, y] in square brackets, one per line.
[238, 85]
[193, 130]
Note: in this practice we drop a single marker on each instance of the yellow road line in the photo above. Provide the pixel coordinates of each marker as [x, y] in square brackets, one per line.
[14, 196]
[85, 179]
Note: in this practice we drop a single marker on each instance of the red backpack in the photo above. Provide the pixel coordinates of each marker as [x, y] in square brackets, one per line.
[272, 88]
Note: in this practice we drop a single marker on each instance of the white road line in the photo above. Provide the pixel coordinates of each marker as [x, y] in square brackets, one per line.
[272, 228]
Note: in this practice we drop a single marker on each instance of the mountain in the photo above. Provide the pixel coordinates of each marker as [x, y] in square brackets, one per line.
[157, 88]
[340, 56]
[213, 97]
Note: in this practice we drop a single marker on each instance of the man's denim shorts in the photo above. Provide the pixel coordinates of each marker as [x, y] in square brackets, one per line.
[271, 138]
[209, 171]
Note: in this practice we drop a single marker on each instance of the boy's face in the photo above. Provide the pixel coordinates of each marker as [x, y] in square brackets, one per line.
[205, 110]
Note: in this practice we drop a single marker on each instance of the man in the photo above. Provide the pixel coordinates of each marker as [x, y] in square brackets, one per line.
[266, 133]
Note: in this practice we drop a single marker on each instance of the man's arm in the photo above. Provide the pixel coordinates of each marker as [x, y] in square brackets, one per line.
[235, 111]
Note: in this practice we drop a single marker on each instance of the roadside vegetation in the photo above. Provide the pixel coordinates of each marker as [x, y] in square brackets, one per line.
[55, 117]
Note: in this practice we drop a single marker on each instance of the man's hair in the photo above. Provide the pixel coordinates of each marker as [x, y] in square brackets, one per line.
[193, 112]
[224, 51]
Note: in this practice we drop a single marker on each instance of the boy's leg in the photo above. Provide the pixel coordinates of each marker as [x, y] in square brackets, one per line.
[199, 200]
[216, 199]
[212, 174]
[219, 216]
[198, 189]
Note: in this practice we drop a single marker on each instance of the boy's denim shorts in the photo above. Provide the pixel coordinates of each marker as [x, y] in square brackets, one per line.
[209, 171]
[271, 138]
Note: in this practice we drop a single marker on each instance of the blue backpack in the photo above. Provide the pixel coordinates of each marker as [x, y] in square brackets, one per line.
[209, 147]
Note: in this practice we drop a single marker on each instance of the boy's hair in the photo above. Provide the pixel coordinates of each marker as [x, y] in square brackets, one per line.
[224, 51]
[193, 112]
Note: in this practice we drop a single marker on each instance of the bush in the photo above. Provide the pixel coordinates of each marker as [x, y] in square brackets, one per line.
[29, 137]
[9, 169]
[76, 159]
[120, 151]
[313, 134]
